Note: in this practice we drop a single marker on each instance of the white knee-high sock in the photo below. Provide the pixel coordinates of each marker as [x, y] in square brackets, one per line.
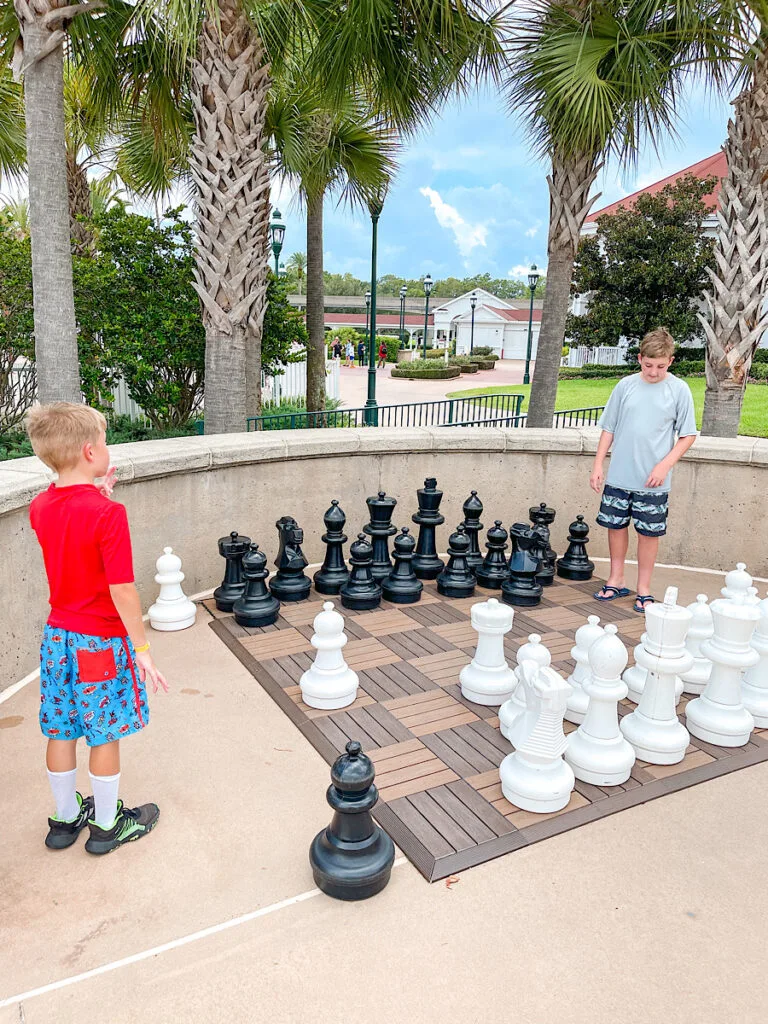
[105, 789]
[63, 789]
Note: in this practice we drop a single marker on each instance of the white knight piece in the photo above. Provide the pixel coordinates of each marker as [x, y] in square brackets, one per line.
[173, 609]
[511, 709]
[329, 682]
[488, 679]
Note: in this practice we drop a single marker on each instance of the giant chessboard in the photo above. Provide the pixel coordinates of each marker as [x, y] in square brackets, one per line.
[436, 754]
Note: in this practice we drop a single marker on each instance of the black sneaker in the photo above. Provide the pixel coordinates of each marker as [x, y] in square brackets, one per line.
[128, 826]
[64, 833]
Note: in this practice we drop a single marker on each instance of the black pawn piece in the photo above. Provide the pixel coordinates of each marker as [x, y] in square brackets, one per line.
[256, 607]
[352, 858]
[361, 591]
[494, 569]
[457, 579]
[289, 582]
[473, 509]
[232, 548]
[426, 563]
[380, 529]
[542, 518]
[522, 587]
[333, 572]
[574, 565]
[402, 586]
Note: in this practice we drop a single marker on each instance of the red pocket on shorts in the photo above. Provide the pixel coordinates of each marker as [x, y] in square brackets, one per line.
[96, 666]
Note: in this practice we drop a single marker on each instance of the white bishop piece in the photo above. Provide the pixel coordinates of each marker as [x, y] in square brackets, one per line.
[488, 679]
[173, 609]
[511, 709]
[586, 635]
[329, 682]
[754, 689]
[701, 628]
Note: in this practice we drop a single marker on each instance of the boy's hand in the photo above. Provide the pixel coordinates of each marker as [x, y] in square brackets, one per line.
[658, 475]
[107, 485]
[597, 479]
[147, 667]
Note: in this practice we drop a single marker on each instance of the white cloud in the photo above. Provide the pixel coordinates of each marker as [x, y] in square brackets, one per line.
[467, 236]
[520, 272]
[532, 232]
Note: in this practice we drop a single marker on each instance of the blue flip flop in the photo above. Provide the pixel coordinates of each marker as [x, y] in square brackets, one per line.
[603, 595]
[643, 600]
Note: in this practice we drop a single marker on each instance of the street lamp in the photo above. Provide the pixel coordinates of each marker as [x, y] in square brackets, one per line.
[533, 280]
[473, 303]
[371, 414]
[277, 230]
[403, 292]
[367, 313]
[282, 272]
[427, 289]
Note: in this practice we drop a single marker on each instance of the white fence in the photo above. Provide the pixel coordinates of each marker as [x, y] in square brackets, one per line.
[293, 383]
[607, 355]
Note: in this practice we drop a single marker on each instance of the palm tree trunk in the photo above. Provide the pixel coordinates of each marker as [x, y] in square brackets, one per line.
[737, 317]
[230, 83]
[315, 306]
[80, 206]
[569, 204]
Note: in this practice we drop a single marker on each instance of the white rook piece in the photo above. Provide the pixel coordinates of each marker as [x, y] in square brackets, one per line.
[701, 628]
[535, 776]
[488, 679]
[173, 609]
[754, 689]
[586, 635]
[329, 682]
[597, 752]
[653, 728]
[511, 709]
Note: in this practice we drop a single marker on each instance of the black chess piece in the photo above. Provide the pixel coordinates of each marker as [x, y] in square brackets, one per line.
[574, 565]
[352, 858]
[232, 548]
[542, 518]
[256, 606]
[494, 569]
[289, 582]
[333, 572]
[402, 586]
[457, 579]
[521, 586]
[426, 563]
[473, 509]
[380, 529]
[361, 591]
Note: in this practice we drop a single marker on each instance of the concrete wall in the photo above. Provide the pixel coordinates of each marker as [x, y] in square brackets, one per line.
[188, 492]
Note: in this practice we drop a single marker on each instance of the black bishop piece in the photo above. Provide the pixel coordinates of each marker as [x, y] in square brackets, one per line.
[473, 509]
[289, 582]
[402, 586]
[361, 591]
[380, 529]
[521, 587]
[574, 565]
[457, 579]
[333, 572]
[542, 518]
[426, 563]
[255, 607]
[494, 569]
[232, 548]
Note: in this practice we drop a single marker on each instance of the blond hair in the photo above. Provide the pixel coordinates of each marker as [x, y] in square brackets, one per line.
[658, 344]
[58, 432]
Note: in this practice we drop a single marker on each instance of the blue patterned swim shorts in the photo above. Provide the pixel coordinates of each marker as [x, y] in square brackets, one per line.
[647, 510]
[89, 686]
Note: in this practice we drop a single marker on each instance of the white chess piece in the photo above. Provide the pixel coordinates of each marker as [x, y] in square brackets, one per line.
[737, 583]
[718, 716]
[653, 728]
[488, 679]
[578, 701]
[511, 709]
[329, 682]
[535, 777]
[597, 752]
[173, 609]
[754, 688]
[701, 628]
[636, 676]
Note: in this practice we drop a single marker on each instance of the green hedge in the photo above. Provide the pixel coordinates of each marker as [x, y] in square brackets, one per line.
[759, 371]
[444, 372]
[594, 371]
[485, 351]
[484, 364]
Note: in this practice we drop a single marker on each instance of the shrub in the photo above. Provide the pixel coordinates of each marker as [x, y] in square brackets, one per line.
[760, 356]
[594, 372]
[759, 371]
[444, 373]
[688, 367]
[485, 351]
[484, 364]
[465, 364]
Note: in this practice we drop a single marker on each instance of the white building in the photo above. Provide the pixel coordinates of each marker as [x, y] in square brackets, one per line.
[500, 324]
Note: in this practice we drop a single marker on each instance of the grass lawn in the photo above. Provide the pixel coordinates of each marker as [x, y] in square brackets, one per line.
[581, 394]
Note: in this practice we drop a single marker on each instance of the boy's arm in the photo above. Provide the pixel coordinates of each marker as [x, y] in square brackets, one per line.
[126, 600]
[597, 477]
[661, 469]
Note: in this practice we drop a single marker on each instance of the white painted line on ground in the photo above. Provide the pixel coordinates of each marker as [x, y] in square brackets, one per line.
[146, 954]
[682, 568]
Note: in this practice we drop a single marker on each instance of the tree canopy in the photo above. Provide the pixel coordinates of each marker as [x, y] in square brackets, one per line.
[447, 288]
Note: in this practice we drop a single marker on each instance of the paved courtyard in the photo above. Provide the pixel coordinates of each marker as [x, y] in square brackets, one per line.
[391, 390]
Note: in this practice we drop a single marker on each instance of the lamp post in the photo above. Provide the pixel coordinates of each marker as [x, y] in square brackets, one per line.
[277, 230]
[427, 289]
[367, 313]
[403, 292]
[473, 303]
[371, 414]
[533, 280]
[282, 271]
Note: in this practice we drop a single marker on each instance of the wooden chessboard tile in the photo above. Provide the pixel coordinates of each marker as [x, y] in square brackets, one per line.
[522, 819]
[302, 613]
[294, 692]
[462, 634]
[382, 623]
[277, 644]
[559, 618]
[416, 643]
[443, 667]
[439, 712]
[429, 779]
[210, 606]
[633, 629]
[362, 654]
[565, 596]
[691, 760]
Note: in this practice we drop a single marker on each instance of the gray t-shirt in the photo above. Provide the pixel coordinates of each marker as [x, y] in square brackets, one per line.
[644, 419]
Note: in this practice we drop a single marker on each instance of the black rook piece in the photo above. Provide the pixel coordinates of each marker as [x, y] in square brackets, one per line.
[426, 564]
[542, 518]
[473, 509]
[256, 607]
[352, 858]
[380, 529]
[361, 591]
[522, 587]
[289, 582]
[333, 572]
[402, 586]
[494, 569]
[457, 579]
[574, 565]
[232, 548]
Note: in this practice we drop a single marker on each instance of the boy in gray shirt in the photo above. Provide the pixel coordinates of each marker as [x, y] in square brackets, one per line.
[648, 424]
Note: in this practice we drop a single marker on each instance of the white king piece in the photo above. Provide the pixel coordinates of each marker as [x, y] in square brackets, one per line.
[173, 609]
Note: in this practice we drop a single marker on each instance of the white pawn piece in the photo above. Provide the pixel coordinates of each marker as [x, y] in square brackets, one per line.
[329, 682]
[535, 777]
[737, 583]
[586, 635]
[636, 676]
[597, 752]
[488, 679]
[653, 728]
[754, 688]
[701, 628]
[173, 609]
[718, 716]
[511, 709]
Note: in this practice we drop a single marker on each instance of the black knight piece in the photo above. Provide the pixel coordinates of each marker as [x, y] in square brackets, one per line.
[402, 585]
[574, 565]
[426, 563]
[473, 509]
[255, 607]
[457, 579]
[361, 591]
[289, 582]
[542, 518]
[380, 529]
[333, 572]
[494, 569]
[521, 587]
[232, 548]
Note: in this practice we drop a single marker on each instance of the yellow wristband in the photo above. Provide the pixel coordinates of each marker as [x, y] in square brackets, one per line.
[142, 649]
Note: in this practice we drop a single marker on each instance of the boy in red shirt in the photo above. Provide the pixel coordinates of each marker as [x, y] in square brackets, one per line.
[94, 658]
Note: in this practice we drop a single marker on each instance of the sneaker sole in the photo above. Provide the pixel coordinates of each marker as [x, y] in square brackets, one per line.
[98, 848]
[62, 842]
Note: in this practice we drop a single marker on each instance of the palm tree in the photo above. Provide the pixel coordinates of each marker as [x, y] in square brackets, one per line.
[297, 264]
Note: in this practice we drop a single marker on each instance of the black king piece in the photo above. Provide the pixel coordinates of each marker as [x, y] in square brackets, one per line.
[426, 564]
[380, 529]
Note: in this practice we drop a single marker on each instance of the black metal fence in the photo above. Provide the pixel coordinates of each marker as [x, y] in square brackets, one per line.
[565, 418]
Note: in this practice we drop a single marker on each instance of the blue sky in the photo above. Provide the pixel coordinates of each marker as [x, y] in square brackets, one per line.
[470, 198]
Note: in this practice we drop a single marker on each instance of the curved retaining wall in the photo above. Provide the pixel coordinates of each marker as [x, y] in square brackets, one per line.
[187, 492]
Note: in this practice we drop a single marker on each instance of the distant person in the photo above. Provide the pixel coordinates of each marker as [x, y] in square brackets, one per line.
[350, 354]
[382, 355]
[336, 348]
[361, 353]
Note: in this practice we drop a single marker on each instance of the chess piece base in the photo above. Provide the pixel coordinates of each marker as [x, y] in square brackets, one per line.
[328, 585]
[582, 575]
[168, 625]
[427, 570]
[490, 581]
[394, 595]
[509, 712]
[600, 762]
[720, 724]
[755, 700]
[339, 690]
[524, 600]
[225, 598]
[351, 870]
[455, 589]
[292, 593]
[488, 686]
[657, 742]
[265, 617]
[361, 604]
[534, 788]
